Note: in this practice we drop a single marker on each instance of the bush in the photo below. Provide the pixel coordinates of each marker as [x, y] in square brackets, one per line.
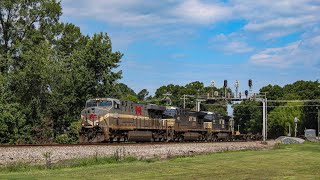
[62, 139]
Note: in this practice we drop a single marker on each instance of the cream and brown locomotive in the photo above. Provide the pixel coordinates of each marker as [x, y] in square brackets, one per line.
[109, 120]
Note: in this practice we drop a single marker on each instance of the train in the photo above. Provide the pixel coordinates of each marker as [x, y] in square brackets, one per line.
[114, 120]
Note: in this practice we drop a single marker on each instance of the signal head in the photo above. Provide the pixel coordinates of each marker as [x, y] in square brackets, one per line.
[250, 83]
[225, 83]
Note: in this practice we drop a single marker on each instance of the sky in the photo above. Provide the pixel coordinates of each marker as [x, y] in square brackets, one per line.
[181, 41]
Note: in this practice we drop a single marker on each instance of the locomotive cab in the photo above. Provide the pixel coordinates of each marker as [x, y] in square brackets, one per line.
[95, 119]
[96, 110]
[171, 112]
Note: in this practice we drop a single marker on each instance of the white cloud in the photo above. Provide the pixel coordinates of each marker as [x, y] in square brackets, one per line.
[274, 19]
[197, 12]
[172, 21]
[304, 52]
[164, 22]
[259, 14]
[276, 56]
[230, 44]
[237, 47]
[269, 19]
[144, 13]
[281, 22]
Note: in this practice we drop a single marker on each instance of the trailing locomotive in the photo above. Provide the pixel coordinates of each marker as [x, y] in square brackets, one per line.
[108, 120]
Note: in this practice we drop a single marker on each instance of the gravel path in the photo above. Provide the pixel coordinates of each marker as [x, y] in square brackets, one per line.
[36, 155]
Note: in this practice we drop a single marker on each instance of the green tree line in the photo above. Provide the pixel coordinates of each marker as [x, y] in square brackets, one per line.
[48, 69]
[248, 114]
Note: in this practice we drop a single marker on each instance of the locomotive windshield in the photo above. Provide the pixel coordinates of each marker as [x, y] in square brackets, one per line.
[170, 112]
[208, 117]
[101, 103]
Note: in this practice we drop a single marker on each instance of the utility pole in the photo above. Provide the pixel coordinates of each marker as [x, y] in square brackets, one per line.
[185, 97]
[295, 126]
[231, 121]
[198, 102]
[289, 131]
[265, 113]
[318, 121]
[266, 117]
[197, 105]
[264, 120]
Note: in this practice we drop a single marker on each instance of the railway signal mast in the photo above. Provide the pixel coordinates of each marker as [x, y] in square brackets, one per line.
[212, 86]
[237, 88]
[225, 85]
[250, 86]
[238, 97]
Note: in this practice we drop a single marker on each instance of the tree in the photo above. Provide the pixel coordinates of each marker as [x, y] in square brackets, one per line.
[123, 91]
[100, 61]
[19, 20]
[282, 117]
[132, 98]
[273, 92]
[12, 121]
[86, 72]
[194, 88]
[143, 94]
[248, 114]
[12, 124]
[48, 70]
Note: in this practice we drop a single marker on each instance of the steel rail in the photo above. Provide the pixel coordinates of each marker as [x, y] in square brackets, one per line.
[120, 144]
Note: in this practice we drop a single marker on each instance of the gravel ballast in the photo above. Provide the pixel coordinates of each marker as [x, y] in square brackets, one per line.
[36, 154]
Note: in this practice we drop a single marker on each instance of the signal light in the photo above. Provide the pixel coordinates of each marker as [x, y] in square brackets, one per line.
[225, 83]
[216, 93]
[250, 83]
[246, 93]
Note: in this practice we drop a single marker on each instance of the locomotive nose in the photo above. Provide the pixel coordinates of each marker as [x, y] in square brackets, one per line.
[92, 116]
[93, 110]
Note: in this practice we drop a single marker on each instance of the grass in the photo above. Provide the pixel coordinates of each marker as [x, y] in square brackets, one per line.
[300, 161]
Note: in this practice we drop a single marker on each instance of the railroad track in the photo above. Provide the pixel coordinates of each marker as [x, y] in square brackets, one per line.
[114, 144]
[35, 153]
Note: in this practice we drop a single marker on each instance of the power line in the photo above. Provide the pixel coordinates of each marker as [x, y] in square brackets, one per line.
[297, 106]
[269, 113]
[261, 106]
[314, 100]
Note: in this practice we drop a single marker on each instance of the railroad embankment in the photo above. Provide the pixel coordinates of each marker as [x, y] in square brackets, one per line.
[41, 154]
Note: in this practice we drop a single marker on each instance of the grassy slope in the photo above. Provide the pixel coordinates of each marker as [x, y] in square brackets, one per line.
[291, 161]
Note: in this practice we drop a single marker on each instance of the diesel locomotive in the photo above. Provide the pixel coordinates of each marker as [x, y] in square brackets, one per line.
[113, 120]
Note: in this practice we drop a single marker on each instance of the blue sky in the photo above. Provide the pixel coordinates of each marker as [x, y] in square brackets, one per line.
[178, 42]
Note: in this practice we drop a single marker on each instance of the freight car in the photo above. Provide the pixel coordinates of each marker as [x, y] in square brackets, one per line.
[109, 119]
